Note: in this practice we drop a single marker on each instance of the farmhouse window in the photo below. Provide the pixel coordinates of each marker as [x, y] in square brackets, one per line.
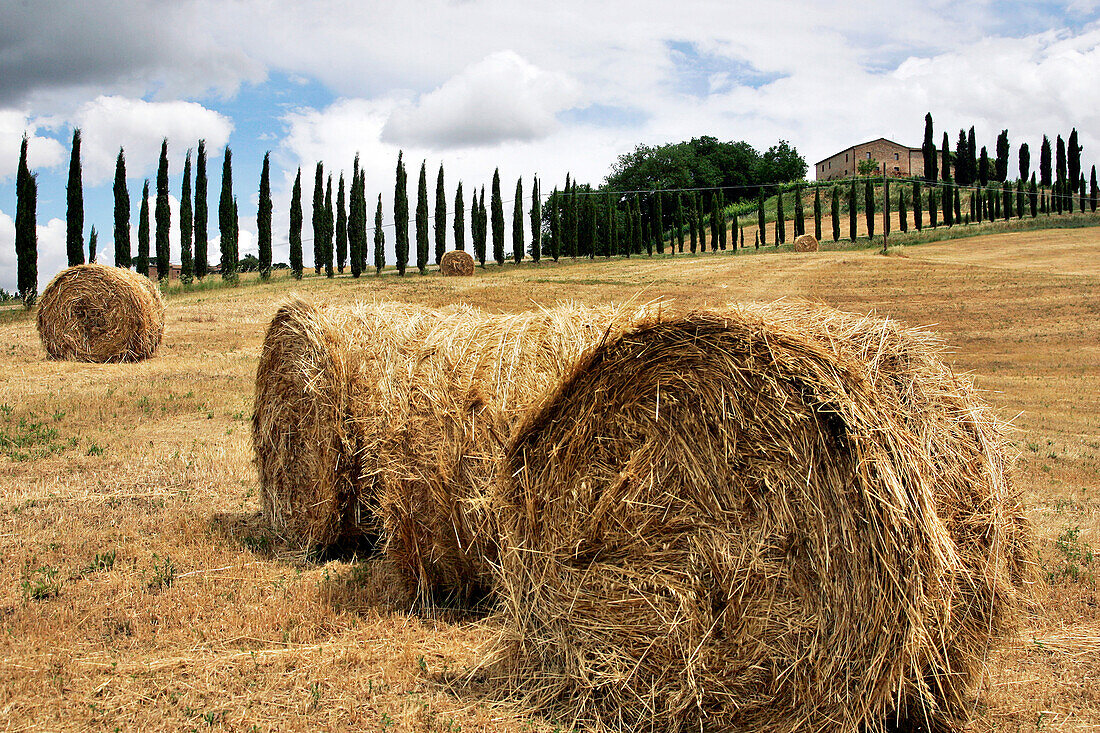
[868, 156]
[896, 156]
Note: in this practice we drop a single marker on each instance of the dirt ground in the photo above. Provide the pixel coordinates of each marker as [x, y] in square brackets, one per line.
[140, 589]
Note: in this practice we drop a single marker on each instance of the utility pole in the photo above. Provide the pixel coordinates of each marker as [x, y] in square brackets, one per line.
[885, 211]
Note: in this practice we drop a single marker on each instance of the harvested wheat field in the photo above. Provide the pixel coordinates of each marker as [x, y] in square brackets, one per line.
[143, 588]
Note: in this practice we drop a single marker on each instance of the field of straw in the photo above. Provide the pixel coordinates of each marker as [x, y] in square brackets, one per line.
[142, 586]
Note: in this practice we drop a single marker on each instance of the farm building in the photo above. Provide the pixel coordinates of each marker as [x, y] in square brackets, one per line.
[898, 160]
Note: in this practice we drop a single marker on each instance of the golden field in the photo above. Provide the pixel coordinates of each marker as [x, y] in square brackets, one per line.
[140, 589]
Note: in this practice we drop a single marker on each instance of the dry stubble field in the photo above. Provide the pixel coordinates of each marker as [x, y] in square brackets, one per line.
[141, 590]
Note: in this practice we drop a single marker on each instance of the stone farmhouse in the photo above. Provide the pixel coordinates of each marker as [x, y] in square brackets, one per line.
[897, 160]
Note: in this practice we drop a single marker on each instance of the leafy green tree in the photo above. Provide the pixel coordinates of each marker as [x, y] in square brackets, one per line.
[162, 214]
[834, 212]
[143, 233]
[1001, 166]
[187, 223]
[122, 214]
[440, 217]
[202, 238]
[928, 148]
[26, 229]
[74, 211]
[459, 223]
[296, 227]
[318, 218]
[422, 241]
[869, 206]
[1025, 162]
[780, 219]
[536, 221]
[341, 227]
[379, 239]
[93, 243]
[401, 216]
[517, 223]
[227, 220]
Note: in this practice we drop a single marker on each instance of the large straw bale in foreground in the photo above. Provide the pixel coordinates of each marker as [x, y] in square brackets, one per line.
[99, 313]
[743, 520]
[316, 364]
[456, 262]
[806, 243]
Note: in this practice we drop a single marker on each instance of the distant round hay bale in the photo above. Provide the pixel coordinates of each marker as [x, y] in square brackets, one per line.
[806, 243]
[99, 313]
[312, 371]
[456, 262]
[729, 520]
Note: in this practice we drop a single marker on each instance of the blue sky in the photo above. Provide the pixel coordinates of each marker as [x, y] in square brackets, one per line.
[531, 89]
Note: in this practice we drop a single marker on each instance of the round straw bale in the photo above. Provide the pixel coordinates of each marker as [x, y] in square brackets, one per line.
[316, 366]
[805, 243]
[723, 519]
[99, 313]
[444, 410]
[456, 262]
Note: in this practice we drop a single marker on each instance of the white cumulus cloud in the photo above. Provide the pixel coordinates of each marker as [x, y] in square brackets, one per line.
[42, 152]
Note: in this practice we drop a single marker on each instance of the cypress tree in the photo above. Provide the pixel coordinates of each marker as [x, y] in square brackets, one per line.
[517, 223]
[1020, 196]
[1025, 162]
[658, 223]
[536, 221]
[187, 223]
[357, 220]
[693, 219]
[948, 200]
[644, 235]
[958, 206]
[799, 214]
[700, 209]
[379, 239]
[1001, 165]
[162, 214]
[761, 229]
[422, 240]
[983, 168]
[479, 227]
[329, 228]
[945, 156]
[341, 227]
[928, 148]
[296, 227]
[74, 212]
[869, 206]
[26, 230]
[886, 205]
[143, 232]
[318, 218]
[994, 204]
[483, 213]
[122, 214]
[93, 243]
[201, 237]
[574, 222]
[817, 213]
[834, 212]
[780, 219]
[459, 223]
[1073, 157]
[401, 216]
[440, 216]
[26, 235]
[226, 219]
[1006, 195]
[853, 210]
[933, 204]
[613, 227]
[971, 161]
[734, 229]
[555, 225]
[903, 212]
[918, 207]
[680, 221]
[1081, 193]
[591, 217]
[962, 175]
[1044, 163]
[361, 197]
[1033, 194]
[1094, 192]
[498, 219]
[1060, 170]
